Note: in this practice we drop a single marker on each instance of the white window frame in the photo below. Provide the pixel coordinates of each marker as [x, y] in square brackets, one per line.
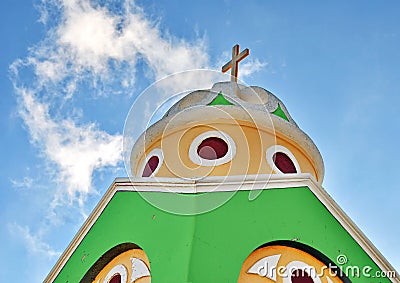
[279, 148]
[155, 152]
[197, 159]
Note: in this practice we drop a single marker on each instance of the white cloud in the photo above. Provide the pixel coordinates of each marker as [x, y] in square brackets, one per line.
[33, 243]
[76, 150]
[250, 67]
[25, 183]
[88, 38]
[91, 36]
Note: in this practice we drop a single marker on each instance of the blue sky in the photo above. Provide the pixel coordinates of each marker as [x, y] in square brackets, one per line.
[70, 70]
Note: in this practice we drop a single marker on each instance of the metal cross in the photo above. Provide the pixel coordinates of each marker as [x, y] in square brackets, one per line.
[233, 64]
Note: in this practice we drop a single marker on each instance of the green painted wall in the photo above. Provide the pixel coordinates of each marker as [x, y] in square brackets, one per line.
[212, 247]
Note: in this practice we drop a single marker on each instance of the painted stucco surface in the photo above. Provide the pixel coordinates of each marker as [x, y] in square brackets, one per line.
[232, 106]
[213, 246]
[251, 144]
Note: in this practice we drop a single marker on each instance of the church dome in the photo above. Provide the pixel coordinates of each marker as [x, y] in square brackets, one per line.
[228, 130]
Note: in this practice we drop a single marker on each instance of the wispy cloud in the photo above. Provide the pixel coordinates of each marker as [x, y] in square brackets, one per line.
[26, 182]
[33, 243]
[251, 66]
[77, 150]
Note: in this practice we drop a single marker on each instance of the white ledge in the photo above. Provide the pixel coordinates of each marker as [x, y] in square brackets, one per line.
[214, 183]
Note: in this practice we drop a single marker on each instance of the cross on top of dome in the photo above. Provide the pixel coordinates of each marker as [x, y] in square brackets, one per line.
[233, 64]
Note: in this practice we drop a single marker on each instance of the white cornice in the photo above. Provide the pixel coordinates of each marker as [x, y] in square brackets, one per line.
[218, 184]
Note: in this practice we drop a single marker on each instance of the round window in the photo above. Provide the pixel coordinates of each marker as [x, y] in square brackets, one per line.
[282, 160]
[212, 148]
[152, 163]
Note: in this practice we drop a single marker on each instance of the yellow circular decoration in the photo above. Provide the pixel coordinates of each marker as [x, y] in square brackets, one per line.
[130, 266]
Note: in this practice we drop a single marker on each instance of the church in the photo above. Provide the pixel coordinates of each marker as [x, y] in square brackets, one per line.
[227, 188]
